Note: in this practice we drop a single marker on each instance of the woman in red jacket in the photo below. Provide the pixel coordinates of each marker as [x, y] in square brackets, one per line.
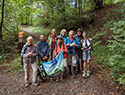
[59, 47]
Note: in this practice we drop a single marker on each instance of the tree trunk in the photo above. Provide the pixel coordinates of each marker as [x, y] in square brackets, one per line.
[80, 9]
[80, 6]
[76, 6]
[2, 19]
[98, 4]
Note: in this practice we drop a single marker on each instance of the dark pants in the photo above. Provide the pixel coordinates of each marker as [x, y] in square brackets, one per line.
[79, 60]
[41, 59]
[52, 53]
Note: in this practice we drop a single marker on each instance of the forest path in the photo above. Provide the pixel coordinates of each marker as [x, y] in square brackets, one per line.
[96, 84]
[34, 35]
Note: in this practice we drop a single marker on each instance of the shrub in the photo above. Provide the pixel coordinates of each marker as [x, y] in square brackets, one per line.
[117, 51]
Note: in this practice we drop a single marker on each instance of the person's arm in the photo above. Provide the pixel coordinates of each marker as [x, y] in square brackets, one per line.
[47, 53]
[77, 44]
[65, 49]
[34, 52]
[81, 45]
[49, 38]
[55, 51]
[38, 50]
[23, 54]
[67, 43]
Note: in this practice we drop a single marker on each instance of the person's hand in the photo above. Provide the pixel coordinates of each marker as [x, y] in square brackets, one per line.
[89, 47]
[71, 44]
[45, 58]
[90, 39]
[75, 44]
[82, 48]
[68, 45]
[30, 54]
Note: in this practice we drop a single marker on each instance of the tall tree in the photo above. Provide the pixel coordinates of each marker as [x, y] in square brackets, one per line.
[2, 18]
[98, 4]
[80, 6]
[76, 6]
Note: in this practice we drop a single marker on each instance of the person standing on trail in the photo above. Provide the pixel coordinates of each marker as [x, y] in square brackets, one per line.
[63, 34]
[58, 48]
[29, 54]
[72, 45]
[43, 49]
[52, 43]
[79, 37]
[86, 46]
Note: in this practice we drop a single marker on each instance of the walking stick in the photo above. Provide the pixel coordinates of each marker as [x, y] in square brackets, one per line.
[29, 65]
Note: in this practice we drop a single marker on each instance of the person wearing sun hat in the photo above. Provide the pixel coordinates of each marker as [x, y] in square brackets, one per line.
[63, 33]
[58, 48]
[29, 54]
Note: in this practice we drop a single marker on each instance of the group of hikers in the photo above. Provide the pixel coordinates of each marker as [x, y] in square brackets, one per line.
[77, 53]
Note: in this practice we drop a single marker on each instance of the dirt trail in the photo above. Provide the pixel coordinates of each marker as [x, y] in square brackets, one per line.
[35, 35]
[13, 84]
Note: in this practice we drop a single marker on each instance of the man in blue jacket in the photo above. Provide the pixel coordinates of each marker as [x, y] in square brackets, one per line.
[79, 37]
[72, 45]
[43, 49]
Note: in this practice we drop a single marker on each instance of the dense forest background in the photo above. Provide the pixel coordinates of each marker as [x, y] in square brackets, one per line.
[104, 20]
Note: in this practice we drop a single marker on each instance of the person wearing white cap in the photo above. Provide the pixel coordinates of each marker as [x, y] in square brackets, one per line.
[29, 54]
[63, 33]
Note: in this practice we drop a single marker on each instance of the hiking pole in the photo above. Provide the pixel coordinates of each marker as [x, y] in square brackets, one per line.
[29, 72]
[29, 65]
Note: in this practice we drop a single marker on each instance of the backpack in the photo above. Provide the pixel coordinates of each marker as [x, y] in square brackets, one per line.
[91, 45]
[63, 46]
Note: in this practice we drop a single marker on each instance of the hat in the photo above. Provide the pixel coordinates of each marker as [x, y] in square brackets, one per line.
[85, 33]
[59, 37]
[79, 30]
[63, 30]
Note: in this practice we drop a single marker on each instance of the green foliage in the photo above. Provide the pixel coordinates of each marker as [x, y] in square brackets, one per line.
[15, 65]
[39, 30]
[117, 51]
[112, 54]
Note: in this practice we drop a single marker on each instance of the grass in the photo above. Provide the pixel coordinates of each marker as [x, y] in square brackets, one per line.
[39, 30]
[15, 65]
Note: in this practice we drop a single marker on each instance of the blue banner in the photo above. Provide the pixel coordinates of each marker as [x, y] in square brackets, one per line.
[56, 66]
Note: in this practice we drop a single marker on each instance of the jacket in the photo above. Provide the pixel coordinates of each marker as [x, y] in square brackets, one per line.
[27, 49]
[64, 38]
[50, 40]
[58, 49]
[68, 41]
[86, 44]
[78, 38]
[43, 49]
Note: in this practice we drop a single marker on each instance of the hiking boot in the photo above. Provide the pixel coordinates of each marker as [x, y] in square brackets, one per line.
[35, 84]
[70, 69]
[88, 73]
[84, 74]
[78, 67]
[26, 85]
[74, 70]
